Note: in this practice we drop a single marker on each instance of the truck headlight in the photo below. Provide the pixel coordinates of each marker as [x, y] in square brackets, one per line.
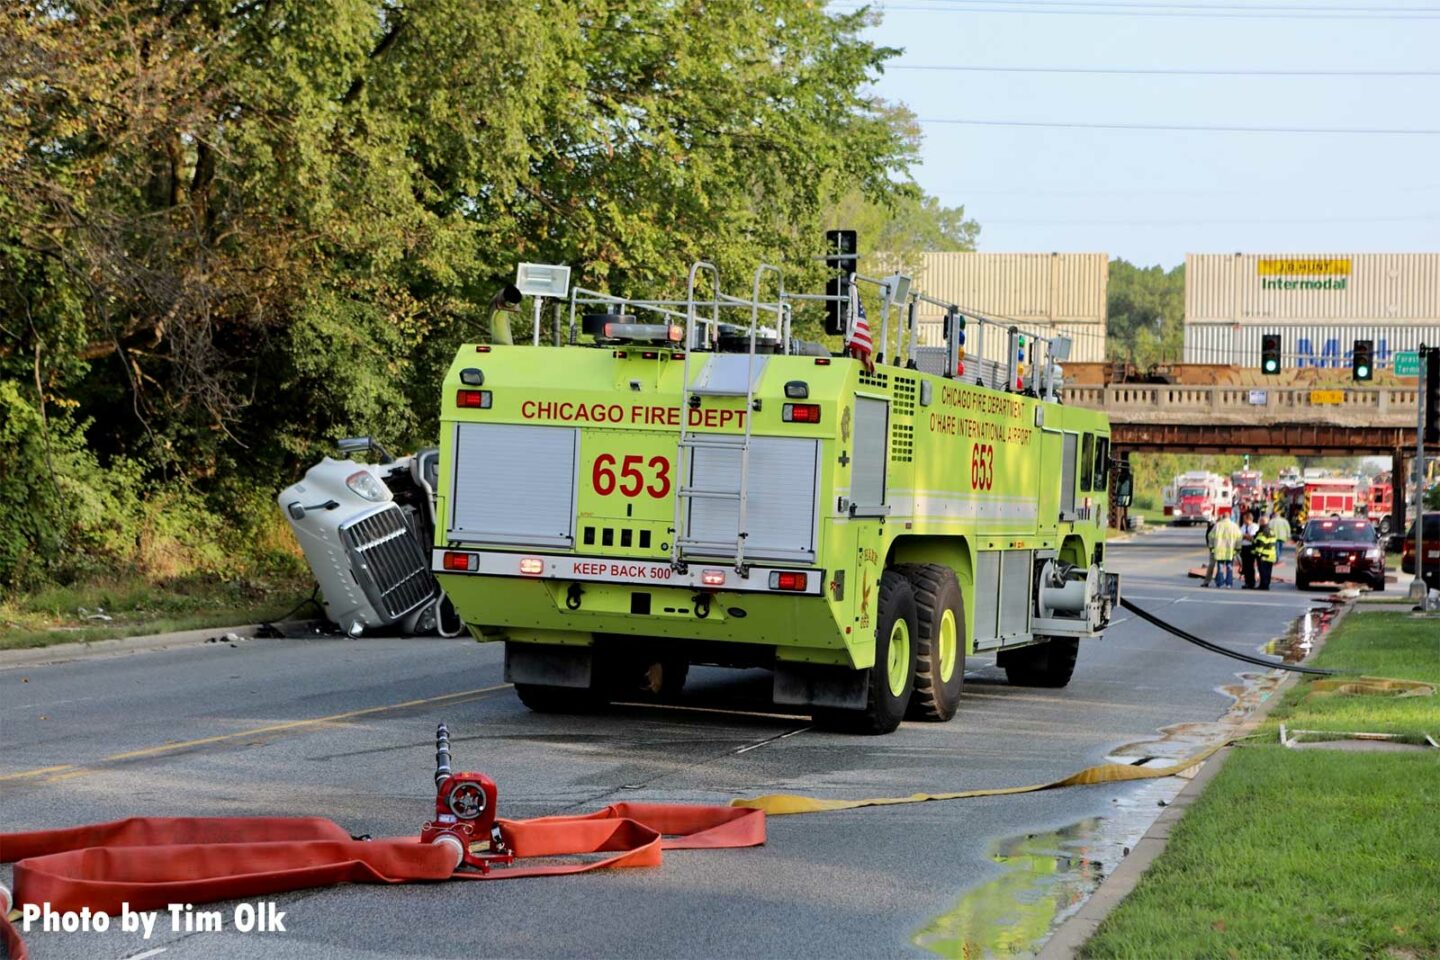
[363, 482]
[1310, 552]
[1373, 553]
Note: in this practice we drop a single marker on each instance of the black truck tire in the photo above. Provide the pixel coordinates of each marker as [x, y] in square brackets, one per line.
[940, 641]
[1047, 664]
[892, 677]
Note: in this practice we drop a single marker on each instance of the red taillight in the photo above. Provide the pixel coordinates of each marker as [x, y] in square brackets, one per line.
[788, 580]
[532, 566]
[800, 413]
[822, 361]
[463, 562]
[474, 399]
[482, 348]
[713, 578]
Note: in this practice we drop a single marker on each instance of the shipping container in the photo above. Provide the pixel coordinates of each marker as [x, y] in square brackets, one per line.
[1043, 294]
[1087, 340]
[1393, 289]
[1028, 287]
[1302, 345]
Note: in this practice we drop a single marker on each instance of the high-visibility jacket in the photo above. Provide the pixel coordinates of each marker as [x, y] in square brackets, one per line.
[500, 327]
[1266, 546]
[1227, 538]
[1281, 528]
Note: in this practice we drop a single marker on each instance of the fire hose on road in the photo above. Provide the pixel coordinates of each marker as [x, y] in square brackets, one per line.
[150, 862]
[1204, 644]
[147, 863]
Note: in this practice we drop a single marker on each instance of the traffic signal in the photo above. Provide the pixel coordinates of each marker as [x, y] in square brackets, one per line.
[1270, 353]
[841, 255]
[1362, 360]
[1431, 359]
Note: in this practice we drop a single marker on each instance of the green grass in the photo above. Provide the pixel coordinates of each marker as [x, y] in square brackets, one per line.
[138, 607]
[1311, 853]
[1377, 645]
[1294, 854]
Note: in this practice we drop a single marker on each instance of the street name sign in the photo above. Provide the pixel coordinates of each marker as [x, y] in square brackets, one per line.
[1407, 363]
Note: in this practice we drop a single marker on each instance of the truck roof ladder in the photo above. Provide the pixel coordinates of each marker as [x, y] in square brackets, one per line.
[686, 546]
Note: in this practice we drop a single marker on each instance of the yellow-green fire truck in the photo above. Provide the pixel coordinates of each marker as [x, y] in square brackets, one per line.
[666, 488]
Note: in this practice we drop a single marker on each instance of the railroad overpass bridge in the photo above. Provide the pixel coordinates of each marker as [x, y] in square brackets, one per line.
[1295, 420]
[1298, 421]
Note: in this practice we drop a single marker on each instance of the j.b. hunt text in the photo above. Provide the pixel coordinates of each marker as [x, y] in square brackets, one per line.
[259, 917]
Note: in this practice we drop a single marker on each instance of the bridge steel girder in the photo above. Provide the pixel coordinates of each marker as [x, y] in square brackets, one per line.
[1294, 439]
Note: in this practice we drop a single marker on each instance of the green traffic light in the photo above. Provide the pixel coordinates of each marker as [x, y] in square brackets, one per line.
[1363, 372]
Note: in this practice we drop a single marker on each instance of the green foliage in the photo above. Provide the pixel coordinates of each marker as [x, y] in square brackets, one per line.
[234, 232]
[1145, 313]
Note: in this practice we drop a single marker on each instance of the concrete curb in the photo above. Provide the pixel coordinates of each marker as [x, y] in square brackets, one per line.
[1067, 940]
[120, 646]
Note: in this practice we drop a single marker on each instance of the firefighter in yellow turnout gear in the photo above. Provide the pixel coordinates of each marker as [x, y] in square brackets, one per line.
[1224, 540]
[1267, 547]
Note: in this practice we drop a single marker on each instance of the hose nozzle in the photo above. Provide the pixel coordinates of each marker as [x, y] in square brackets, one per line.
[442, 753]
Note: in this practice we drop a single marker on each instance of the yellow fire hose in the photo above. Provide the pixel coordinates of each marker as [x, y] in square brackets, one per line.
[782, 804]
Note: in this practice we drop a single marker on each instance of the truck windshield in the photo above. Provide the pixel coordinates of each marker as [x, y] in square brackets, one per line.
[1192, 491]
[1337, 531]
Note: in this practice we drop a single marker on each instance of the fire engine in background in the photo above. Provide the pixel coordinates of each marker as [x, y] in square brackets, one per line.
[668, 489]
[1249, 486]
[1380, 504]
[1315, 496]
[1198, 497]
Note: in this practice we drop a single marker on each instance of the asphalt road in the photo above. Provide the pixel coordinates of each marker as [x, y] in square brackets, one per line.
[271, 727]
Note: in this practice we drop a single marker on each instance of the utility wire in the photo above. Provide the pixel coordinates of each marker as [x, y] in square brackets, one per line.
[1163, 71]
[1203, 128]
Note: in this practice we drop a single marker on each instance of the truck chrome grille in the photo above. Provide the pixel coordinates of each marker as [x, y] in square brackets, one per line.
[389, 563]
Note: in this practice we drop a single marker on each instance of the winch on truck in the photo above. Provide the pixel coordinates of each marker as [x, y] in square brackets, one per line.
[680, 482]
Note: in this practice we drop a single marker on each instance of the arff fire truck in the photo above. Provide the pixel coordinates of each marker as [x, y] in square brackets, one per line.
[668, 488]
[1198, 497]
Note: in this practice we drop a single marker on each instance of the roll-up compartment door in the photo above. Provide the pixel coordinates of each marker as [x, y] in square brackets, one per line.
[780, 497]
[1067, 476]
[513, 484]
[867, 476]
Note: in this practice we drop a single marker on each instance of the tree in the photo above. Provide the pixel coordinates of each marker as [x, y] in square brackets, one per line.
[1145, 313]
[234, 231]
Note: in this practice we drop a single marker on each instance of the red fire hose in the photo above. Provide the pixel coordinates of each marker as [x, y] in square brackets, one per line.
[151, 862]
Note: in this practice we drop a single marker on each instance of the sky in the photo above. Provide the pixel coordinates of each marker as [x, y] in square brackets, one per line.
[1151, 196]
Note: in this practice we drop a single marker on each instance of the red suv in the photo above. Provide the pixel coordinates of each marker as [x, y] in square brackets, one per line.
[1340, 550]
[1432, 551]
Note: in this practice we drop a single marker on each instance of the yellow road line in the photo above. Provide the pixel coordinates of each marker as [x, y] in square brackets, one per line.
[68, 770]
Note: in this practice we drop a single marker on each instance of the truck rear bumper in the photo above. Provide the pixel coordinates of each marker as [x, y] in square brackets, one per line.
[641, 572]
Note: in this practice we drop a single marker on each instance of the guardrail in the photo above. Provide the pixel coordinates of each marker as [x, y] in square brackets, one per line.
[1378, 406]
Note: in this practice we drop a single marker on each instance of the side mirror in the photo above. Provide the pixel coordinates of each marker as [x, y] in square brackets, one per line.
[1124, 488]
[353, 445]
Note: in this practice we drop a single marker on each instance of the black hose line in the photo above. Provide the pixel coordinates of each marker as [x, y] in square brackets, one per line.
[1216, 648]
